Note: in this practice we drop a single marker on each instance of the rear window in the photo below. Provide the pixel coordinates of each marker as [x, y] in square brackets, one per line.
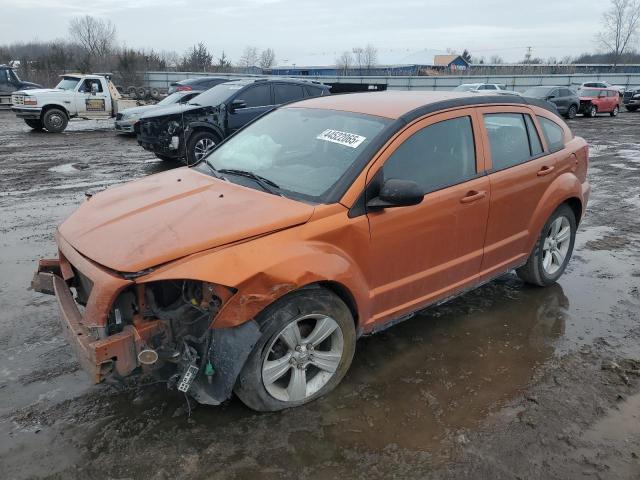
[553, 133]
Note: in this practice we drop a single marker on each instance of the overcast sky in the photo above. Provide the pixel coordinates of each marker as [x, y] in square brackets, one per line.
[316, 32]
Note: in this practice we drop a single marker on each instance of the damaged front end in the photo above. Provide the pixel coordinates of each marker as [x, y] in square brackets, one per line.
[118, 326]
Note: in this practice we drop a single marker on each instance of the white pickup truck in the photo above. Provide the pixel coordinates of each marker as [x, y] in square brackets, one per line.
[89, 97]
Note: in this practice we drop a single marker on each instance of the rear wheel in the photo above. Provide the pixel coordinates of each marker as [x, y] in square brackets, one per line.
[572, 112]
[55, 120]
[615, 111]
[306, 348]
[200, 145]
[553, 249]
[34, 123]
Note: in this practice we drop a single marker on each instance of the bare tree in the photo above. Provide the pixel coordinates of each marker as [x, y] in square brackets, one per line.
[496, 60]
[370, 56]
[358, 58]
[344, 62]
[620, 27]
[267, 58]
[249, 57]
[95, 36]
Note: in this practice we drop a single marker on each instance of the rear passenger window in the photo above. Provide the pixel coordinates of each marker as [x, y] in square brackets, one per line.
[508, 138]
[313, 91]
[287, 93]
[553, 133]
[437, 156]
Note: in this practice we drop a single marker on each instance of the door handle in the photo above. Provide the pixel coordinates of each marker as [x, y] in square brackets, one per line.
[545, 171]
[473, 196]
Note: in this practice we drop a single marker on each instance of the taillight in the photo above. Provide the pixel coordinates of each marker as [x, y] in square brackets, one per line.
[183, 88]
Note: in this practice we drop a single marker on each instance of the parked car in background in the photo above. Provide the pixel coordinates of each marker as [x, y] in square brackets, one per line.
[631, 99]
[599, 84]
[198, 83]
[467, 87]
[192, 130]
[599, 100]
[566, 100]
[256, 270]
[127, 120]
[10, 82]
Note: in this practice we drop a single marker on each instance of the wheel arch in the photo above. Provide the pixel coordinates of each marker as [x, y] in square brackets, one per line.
[51, 106]
[197, 127]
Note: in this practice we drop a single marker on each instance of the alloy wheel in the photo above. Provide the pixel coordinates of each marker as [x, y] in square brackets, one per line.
[556, 245]
[302, 358]
[203, 147]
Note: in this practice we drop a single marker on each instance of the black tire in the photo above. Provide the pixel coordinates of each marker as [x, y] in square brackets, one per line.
[197, 140]
[631, 109]
[615, 111]
[250, 387]
[55, 120]
[592, 111]
[165, 157]
[572, 112]
[34, 123]
[533, 271]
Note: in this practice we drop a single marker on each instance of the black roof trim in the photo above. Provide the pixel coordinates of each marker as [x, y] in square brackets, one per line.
[475, 102]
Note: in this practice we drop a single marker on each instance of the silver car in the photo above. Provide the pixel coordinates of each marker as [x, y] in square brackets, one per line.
[127, 120]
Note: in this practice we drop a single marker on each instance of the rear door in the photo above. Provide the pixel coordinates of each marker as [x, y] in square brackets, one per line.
[287, 92]
[258, 99]
[422, 253]
[521, 169]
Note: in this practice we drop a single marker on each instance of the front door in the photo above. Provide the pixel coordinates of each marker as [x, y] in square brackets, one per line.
[423, 253]
[257, 100]
[91, 100]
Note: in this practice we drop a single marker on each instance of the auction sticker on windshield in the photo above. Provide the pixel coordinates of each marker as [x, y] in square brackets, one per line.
[342, 138]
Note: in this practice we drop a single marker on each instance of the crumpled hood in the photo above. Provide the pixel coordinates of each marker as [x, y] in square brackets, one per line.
[173, 214]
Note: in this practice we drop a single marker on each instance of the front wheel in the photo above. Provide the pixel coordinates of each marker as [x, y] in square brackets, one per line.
[34, 123]
[592, 111]
[200, 145]
[306, 348]
[615, 111]
[572, 112]
[55, 120]
[553, 249]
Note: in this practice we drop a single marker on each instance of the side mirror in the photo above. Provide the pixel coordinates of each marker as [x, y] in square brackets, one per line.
[236, 104]
[551, 97]
[397, 193]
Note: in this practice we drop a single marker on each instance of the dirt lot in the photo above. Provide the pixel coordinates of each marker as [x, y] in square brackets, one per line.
[505, 382]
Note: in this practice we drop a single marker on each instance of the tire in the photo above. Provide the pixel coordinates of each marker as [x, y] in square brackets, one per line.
[544, 267]
[615, 111]
[33, 123]
[55, 120]
[200, 144]
[141, 93]
[165, 158]
[155, 94]
[312, 312]
[631, 109]
[572, 112]
[592, 112]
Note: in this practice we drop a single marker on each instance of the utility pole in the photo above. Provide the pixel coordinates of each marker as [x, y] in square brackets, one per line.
[527, 56]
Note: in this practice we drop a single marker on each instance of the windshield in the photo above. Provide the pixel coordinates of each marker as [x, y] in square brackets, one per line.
[171, 99]
[466, 87]
[302, 151]
[216, 95]
[588, 93]
[68, 83]
[537, 92]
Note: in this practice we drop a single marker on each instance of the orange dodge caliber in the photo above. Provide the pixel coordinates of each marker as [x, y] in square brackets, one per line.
[256, 270]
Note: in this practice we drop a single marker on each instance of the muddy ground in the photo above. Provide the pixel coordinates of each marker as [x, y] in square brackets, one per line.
[508, 381]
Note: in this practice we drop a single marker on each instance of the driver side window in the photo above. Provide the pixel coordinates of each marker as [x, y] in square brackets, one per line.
[256, 96]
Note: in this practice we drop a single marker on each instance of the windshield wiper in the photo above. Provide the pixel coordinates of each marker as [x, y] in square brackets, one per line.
[214, 170]
[266, 184]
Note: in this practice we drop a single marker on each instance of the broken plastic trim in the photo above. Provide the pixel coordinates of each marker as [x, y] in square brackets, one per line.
[134, 275]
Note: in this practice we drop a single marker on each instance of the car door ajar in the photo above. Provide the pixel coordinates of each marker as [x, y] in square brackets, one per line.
[422, 253]
[257, 100]
[520, 169]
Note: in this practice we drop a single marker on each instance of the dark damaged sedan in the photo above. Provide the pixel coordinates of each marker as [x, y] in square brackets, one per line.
[191, 130]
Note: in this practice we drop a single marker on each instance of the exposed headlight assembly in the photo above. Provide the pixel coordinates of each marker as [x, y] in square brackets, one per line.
[173, 127]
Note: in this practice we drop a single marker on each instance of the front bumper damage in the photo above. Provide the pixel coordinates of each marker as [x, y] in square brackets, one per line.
[116, 355]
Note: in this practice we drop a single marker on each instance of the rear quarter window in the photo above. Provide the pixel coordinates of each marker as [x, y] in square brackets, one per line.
[553, 133]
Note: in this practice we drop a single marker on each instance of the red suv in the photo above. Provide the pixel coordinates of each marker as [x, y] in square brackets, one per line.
[599, 100]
